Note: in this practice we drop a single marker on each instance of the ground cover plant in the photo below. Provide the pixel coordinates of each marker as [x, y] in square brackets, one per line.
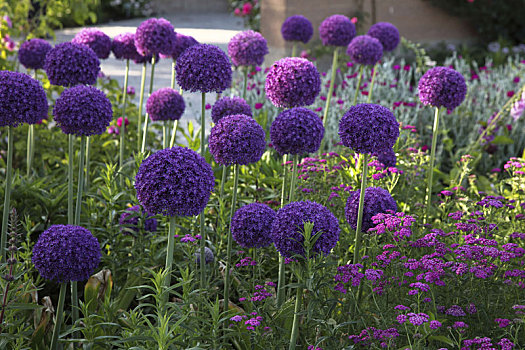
[378, 205]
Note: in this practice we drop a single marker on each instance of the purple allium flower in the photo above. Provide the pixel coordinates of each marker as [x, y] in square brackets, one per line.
[129, 221]
[297, 28]
[154, 36]
[32, 53]
[252, 224]
[66, 253]
[237, 139]
[455, 310]
[208, 256]
[442, 86]
[83, 110]
[247, 48]
[123, 47]
[174, 182]
[229, 106]
[69, 64]
[97, 40]
[364, 49]
[145, 59]
[297, 131]
[387, 158]
[377, 200]
[288, 228]
[22, 99]
[292, 82]
[337, 30]
[204, 68]
[165, 104]
[386, 33]
[181, 43]
[369, 128]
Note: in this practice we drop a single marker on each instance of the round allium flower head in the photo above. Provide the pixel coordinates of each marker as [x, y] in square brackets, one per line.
[129, 220]
[369, 128]
[386, 33]
[252, 225]
[229, 106]
[146, 59]
[66, 253]
[32, 53]
[97, 40]
[247, 48]
[388, 158]
[297, 28]
[208, 256]
[288, 228]
[22, 99]
[377, 200]
[181, 43]
[154, 36]
[83, 110]
[123, 47]
[69, 64]
[165, 104]
[337, 30]
[292, 82]
[442, 87]
[174, 182]
[297, 131]
[237, 139]
[364, 49]
[204, 68]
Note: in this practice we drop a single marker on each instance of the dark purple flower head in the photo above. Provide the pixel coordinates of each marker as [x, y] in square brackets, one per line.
[229, 106]
[181, 43]
[204, 68]
[442, 87]
[97, 40]
[364, 49]
[386, 33]
[237, 139]
[83, 110]
[369, 128]
[252, 225]
[297, 28]
[123, 47]
[247, 48]
[292, 82]
[146, 59]
[154, 36]
[208, 256]
[22, 99]
[297, 131]
[337, 30]
[288, 228]
[129, 221]
[32, 53]
[70, 64]
[165, 104]
[388, 158]
[377, 200]
[66, 253]
[174, 182]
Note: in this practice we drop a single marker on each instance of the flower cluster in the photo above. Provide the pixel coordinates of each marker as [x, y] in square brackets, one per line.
[123, 47]
[96, 39]
[247, 48]
[442, 87]
[377, 200]
[386, 33]
[165, 104]
[208, 256]
[154, 36]
[364, 49]
[129, 221]
[297, 28]
[398, 225]
[181, 43]
[229, 106]
[69, 64]
[337, 30]
[32, 53]
[251, 225]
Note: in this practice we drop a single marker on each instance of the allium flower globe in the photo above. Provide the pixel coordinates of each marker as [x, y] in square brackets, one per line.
[32, 53]
[365, 50]
[386, 33]
[252, 225]
[442, 87]
[123, 47]
[229, 106]
[96, 39]
[181, 43]
[337, 30]
[70, 64]
[154, 36]
[297, 28]
[208, 256]
[247, 48]
[387, 158]
[129, 221]
[165, 104]
[139, 59]
[377, 200]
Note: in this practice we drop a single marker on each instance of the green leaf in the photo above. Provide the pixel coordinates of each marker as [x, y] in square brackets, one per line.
[502, 140]
[442, 339]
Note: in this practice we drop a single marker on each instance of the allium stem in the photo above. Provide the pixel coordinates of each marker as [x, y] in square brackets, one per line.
[173, 64]
[30, 147]
[123, 125]
[169, 254]
[428, 197]
[223, 179]
[357, 245]
[331, 88]
[146, 119]
[7, 195]
[165, 135]
[174, 133]
[295, 324]
[60, 316]
[201, 216]
[70, 210]
[358, 84]
[294, 49]
[374, 69]
[294, 178]
[282, 267]
[141, 102]
[245, 86]
[87, 156]
[80, 187]
[230, 239]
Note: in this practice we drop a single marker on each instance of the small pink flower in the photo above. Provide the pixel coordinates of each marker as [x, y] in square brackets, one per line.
[258, 105]
[119, 121]
[510, 93]
[247, 8]
[353, 20]
[208, 106]
[516, 80]
[237, 12]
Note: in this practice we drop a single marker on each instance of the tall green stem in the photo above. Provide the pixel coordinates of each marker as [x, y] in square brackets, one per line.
[59, 317]
[295, 324]
[428, 197]
[203, 239]
[294, 178]
[146, 119]
[294, 49]
[169, 253]
[165, 136]
[374, 69]
[245, 86]
[123, 125]
[358, 84]
[174, 133]
[7, 195]
[88, 151]
[141, 102]
[173, 74]
[331, 89]
[30, 147]
[223, 179]
[357, 245]
[230, 239]
[71, 156]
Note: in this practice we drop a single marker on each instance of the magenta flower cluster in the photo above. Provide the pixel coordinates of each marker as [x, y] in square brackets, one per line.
[337, 30]
[154, 36]
[247, 48]
[442, 87]
[252, 224]
[96, 39]
[123, 47]
[165, 104]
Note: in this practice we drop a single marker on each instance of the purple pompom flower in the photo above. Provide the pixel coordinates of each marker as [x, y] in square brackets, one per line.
[237, 139]
[387, 158]
[229, 106]
[83, 110]
[165, 104]
[337, 30]
[181, 43]
[154, 36]
[386, 33]
[252, 225]
[288, 228]
[208, 256]
[204, 68]
[377, 200]
[292, 82]
[70, 64]
[66, 253]
[123, 47]
[174, 182]
[97, 40]
[297, 28]
[297, 131]
[22, 99]
[364, 49]
[247, 48]
[442, 86]
[146, 59]
[369, 128]
[32, 53]
[129, 221]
